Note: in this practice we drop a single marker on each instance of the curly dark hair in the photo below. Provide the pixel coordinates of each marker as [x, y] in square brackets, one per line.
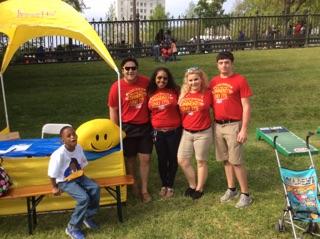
[152, 87]
[225, 55]
[130, 58]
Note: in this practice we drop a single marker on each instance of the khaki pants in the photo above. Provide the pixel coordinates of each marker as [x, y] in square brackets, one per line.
[226, 145]
[199, 143]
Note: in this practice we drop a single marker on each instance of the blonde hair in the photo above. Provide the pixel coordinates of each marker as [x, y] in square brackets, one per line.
[185, 88]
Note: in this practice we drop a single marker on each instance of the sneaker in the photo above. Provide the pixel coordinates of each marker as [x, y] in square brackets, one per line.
[189, 192]
[170, 193]
[229, 195]
[244, 201]
[89, 223]
[74, 233]
[163, 192]
[196, 195]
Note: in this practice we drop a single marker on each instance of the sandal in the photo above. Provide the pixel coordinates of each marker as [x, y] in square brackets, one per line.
[163, 192]
[146, 197]
[170, 193]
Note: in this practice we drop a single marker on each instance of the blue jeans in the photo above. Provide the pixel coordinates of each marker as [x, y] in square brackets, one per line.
[87, 194]
[167, 144]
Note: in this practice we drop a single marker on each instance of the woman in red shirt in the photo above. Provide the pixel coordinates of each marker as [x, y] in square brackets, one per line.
[166, 122]
[195, 103]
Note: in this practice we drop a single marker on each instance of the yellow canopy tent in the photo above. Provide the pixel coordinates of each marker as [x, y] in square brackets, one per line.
[22, 20]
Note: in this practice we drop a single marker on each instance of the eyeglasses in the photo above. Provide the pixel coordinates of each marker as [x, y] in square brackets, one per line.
[128, 68]
[193, 68]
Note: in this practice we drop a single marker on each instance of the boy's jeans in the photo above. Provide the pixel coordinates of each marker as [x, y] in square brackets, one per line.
[87, 194]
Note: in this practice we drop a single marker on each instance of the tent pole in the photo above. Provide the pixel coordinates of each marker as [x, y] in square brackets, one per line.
[120, 111]
[4, 101]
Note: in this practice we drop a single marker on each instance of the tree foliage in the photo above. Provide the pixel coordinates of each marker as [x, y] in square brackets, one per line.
[159, 13]
[205, 8]
[190, 11]
[111, 14]
[276, 7]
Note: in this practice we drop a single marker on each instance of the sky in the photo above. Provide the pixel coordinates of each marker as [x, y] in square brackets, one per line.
[97, 8]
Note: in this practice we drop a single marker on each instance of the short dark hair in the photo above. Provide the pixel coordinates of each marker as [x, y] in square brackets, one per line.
[64, 128]
[130, 58]
[152, 87]
[225, 55]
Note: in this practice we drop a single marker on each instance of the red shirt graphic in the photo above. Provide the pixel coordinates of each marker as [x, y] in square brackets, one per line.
[227, 94]
[195, 110]
[133, 100]
[163, 105]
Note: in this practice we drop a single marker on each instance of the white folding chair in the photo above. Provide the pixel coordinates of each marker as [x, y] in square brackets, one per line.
[52, 128]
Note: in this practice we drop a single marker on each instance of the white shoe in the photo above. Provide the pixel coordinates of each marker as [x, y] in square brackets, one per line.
[229, 195]
[244, 201]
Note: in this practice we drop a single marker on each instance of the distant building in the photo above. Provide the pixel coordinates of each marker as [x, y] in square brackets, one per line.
[145, 8]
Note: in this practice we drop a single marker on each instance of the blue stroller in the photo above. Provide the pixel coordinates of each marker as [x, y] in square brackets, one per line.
[302, 207]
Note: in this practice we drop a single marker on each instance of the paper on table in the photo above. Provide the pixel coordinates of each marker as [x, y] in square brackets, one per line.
[16, 147]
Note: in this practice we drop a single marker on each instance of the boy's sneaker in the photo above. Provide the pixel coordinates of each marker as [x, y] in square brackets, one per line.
[74, 233]
[229, 195]
[89, 223]
[244, 201]
[196, 195]
[189, 192]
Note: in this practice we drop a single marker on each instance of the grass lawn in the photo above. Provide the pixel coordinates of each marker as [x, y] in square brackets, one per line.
[286, 92]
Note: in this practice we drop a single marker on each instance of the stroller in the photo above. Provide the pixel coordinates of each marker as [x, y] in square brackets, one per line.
[302, 207]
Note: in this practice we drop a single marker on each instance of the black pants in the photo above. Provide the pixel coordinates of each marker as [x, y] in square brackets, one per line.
[167, 144]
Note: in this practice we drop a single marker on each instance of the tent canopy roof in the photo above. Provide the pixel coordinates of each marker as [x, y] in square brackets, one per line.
[22, 20]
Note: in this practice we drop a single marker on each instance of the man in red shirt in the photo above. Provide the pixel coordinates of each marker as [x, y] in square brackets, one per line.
[231, 92]
[135, 121]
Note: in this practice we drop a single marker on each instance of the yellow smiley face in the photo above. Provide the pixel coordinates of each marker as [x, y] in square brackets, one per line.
[98, 135]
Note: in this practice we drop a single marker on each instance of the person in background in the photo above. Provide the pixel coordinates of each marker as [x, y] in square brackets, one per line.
[195, 103]
[174, 50]
[166, 122]
[230, 95]
[135, 122]
[157, 44]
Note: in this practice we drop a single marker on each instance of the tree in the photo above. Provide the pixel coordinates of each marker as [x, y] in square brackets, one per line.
[190, 11]
[268, 7]
[206, 8]
[111, 14]
[159, 13]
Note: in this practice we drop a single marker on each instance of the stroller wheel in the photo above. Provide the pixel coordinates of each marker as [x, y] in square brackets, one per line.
[279, 226]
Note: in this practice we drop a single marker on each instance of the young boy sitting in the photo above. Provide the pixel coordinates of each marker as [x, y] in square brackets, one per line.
[66, 173]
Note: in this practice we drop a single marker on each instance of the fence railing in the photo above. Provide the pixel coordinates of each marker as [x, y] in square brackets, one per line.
[192, 35]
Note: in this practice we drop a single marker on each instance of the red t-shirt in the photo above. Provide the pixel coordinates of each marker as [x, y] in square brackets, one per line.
[163, 105]
[227, 94]
[195, 110]
[134, 100]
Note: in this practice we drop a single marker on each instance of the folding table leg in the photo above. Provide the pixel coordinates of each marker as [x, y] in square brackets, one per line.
[29, 209]
[119, 204]
[34, 212]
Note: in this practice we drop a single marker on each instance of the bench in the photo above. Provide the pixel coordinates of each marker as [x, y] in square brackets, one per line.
[34, 195]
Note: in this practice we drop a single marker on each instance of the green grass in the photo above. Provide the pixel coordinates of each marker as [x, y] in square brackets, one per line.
[286, 92]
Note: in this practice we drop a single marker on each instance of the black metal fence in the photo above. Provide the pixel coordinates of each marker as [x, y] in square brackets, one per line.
[192, 35]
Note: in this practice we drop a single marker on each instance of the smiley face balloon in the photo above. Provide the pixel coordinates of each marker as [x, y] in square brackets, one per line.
[98, 135]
